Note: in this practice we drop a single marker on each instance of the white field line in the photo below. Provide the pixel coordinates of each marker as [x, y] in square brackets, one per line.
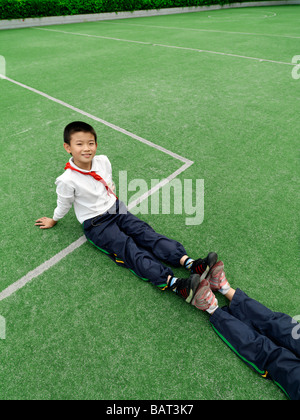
[166, 46]
[199, 30]
[41, 269]
[76, 244]
[93, 117]
[159, 185]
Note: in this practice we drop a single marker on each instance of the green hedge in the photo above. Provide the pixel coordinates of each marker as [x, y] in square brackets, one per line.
[15, 9]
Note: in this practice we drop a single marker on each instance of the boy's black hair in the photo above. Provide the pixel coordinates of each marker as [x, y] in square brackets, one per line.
[75, 127]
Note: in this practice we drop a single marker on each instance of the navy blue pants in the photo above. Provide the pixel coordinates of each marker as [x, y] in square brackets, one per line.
[133, 244]
[267, 341]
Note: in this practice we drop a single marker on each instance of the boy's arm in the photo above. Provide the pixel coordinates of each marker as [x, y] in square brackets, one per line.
[65, 199]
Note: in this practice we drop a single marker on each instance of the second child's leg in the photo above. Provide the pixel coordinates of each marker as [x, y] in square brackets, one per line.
[259, 352]
[275, 325]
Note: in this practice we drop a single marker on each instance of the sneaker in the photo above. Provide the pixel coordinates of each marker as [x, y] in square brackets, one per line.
[186, 288]
[204, 298]
[203, 266]
[217, 278]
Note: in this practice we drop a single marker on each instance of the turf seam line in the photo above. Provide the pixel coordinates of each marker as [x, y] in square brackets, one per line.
[76, 244]
[167, 46]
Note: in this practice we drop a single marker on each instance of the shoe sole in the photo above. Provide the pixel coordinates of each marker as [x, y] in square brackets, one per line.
[195, 295]
[209, 267]
[217, 271]
[196, 280]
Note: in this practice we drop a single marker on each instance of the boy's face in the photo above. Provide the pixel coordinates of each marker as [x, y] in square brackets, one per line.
[83, 148]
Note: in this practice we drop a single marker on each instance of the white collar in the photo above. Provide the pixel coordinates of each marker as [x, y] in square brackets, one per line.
[71, 161]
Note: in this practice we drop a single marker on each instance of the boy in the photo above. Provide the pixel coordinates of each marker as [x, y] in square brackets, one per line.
[266, 341]
[87, 183]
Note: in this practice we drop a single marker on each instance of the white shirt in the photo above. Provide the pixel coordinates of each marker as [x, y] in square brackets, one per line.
[88, 195]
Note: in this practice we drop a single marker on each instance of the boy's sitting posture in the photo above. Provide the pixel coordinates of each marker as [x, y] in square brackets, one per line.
[87, 183]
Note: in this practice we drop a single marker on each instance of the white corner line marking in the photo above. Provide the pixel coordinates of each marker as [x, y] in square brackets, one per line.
[19, 284]
[166, 46]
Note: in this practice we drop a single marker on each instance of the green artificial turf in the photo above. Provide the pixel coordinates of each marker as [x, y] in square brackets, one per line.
[87, 329]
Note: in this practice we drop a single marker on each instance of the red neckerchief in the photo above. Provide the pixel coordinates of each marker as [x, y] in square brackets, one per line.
[94, 175]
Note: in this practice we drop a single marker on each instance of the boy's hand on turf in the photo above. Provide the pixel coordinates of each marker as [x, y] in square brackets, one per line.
[45, 223]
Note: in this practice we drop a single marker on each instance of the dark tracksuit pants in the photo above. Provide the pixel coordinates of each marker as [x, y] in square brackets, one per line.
[132, 243]
[267, 341]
